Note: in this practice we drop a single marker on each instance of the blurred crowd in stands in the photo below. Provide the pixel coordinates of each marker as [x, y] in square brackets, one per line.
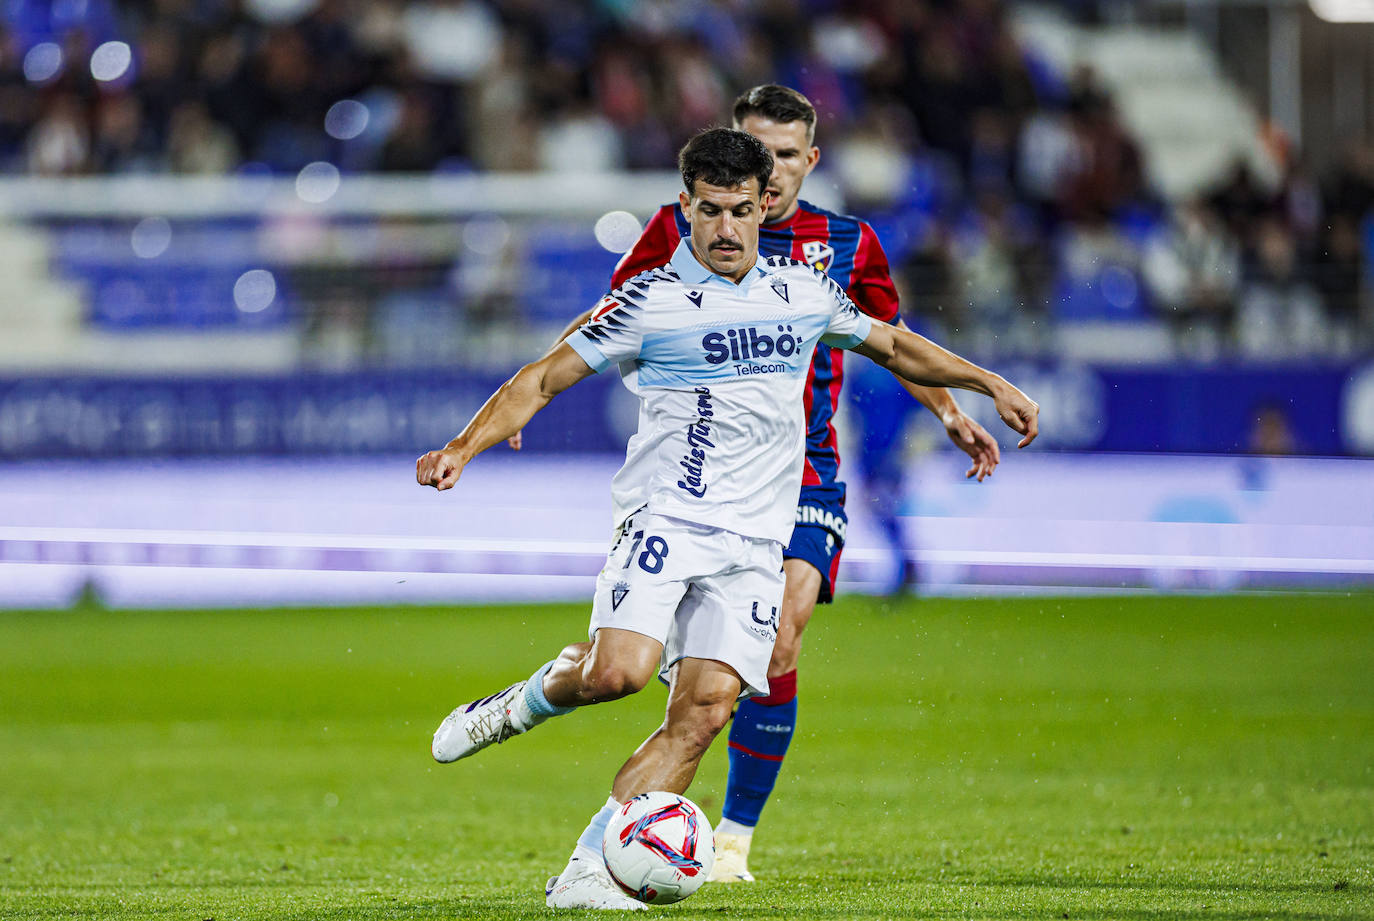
[1010, 197]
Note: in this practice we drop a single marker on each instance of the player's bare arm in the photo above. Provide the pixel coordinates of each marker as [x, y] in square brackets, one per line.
[516, 441]
[503, 415]
[921, 361]
[968, 436]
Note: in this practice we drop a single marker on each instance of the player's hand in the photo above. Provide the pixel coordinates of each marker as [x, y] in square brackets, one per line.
[973, 440]
[516, 441]
[439, 469]
[1018, 411]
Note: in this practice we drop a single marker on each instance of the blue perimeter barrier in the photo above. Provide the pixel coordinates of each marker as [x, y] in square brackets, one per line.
[1329, 410]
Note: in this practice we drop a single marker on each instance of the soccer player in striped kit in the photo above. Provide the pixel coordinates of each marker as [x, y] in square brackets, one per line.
[848, 250]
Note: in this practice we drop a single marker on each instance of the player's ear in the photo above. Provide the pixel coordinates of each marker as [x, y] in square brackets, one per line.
[684, 202]
[813, 156]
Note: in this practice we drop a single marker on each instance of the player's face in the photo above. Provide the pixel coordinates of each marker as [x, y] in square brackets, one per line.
[794, 157]
[725, 225]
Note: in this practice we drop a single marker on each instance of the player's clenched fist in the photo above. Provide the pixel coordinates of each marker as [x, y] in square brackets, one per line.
[439, 469]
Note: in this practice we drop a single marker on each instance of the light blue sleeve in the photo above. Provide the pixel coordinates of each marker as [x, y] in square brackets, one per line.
[614, 334]
[589, 352]
[849, 326]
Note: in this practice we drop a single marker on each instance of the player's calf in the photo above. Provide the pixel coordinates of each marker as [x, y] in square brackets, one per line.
[759, 738]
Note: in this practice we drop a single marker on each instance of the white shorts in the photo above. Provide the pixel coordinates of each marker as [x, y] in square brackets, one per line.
[702, 592]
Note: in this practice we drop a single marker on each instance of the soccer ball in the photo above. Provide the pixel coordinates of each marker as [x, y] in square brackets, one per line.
[658, 847]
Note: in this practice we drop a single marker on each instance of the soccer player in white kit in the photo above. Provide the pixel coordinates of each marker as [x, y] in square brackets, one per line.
[716, 346]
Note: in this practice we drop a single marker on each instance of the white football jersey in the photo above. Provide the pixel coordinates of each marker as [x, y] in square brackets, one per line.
[719, 370]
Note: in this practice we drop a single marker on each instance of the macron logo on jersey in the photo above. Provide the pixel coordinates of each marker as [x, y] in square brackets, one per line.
[695, 297]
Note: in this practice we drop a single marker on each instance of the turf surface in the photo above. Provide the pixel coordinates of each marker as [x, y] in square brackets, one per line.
[1208, 758]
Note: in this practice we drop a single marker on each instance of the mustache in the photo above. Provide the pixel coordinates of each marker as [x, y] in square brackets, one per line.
[725, 244]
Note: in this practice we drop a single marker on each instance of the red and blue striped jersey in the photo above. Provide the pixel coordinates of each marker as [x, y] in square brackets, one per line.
[843, 247]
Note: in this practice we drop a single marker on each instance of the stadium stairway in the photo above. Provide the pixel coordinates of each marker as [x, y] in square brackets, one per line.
[1191, 121]
[45, 326]
[39, 315]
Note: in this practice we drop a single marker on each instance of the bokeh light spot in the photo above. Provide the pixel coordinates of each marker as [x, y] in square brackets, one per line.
[151, 237]
[43, 62]
[617, 231]
[111, 61]
[255, 291]
[317, 182]
[346, 119]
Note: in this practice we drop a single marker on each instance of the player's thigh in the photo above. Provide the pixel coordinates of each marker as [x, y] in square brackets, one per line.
[646, 575]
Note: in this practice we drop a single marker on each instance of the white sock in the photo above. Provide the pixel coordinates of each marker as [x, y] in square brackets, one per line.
[589, 843]
[531, 707]
[728, 827]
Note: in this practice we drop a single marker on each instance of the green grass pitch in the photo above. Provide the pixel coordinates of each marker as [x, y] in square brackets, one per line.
[1114, 758]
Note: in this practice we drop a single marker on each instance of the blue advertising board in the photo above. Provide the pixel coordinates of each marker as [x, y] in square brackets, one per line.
[1328, 410]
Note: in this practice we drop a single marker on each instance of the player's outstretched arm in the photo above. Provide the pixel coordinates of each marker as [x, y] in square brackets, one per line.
[921, 361]
[515, 441]
[968, 436]
[504, 414]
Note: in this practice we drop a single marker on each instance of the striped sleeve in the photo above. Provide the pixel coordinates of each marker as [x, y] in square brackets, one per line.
[871, 285]
[848, 326]
[615, 332]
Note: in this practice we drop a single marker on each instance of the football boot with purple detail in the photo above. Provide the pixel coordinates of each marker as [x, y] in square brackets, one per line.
[474, 726]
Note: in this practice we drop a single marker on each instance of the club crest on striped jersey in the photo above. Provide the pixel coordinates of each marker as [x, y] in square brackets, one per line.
[780, 288]
[818, 254]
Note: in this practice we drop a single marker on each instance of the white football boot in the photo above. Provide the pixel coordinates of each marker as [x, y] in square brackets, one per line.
[586, 884]
[474, 726]
[732, 859]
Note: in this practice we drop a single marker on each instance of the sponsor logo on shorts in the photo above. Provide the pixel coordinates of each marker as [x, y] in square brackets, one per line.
[810, 514]
[698, 443]
[767, 626]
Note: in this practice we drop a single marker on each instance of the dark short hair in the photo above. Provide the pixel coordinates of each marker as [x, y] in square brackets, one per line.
[724, 157]
[777, 103]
